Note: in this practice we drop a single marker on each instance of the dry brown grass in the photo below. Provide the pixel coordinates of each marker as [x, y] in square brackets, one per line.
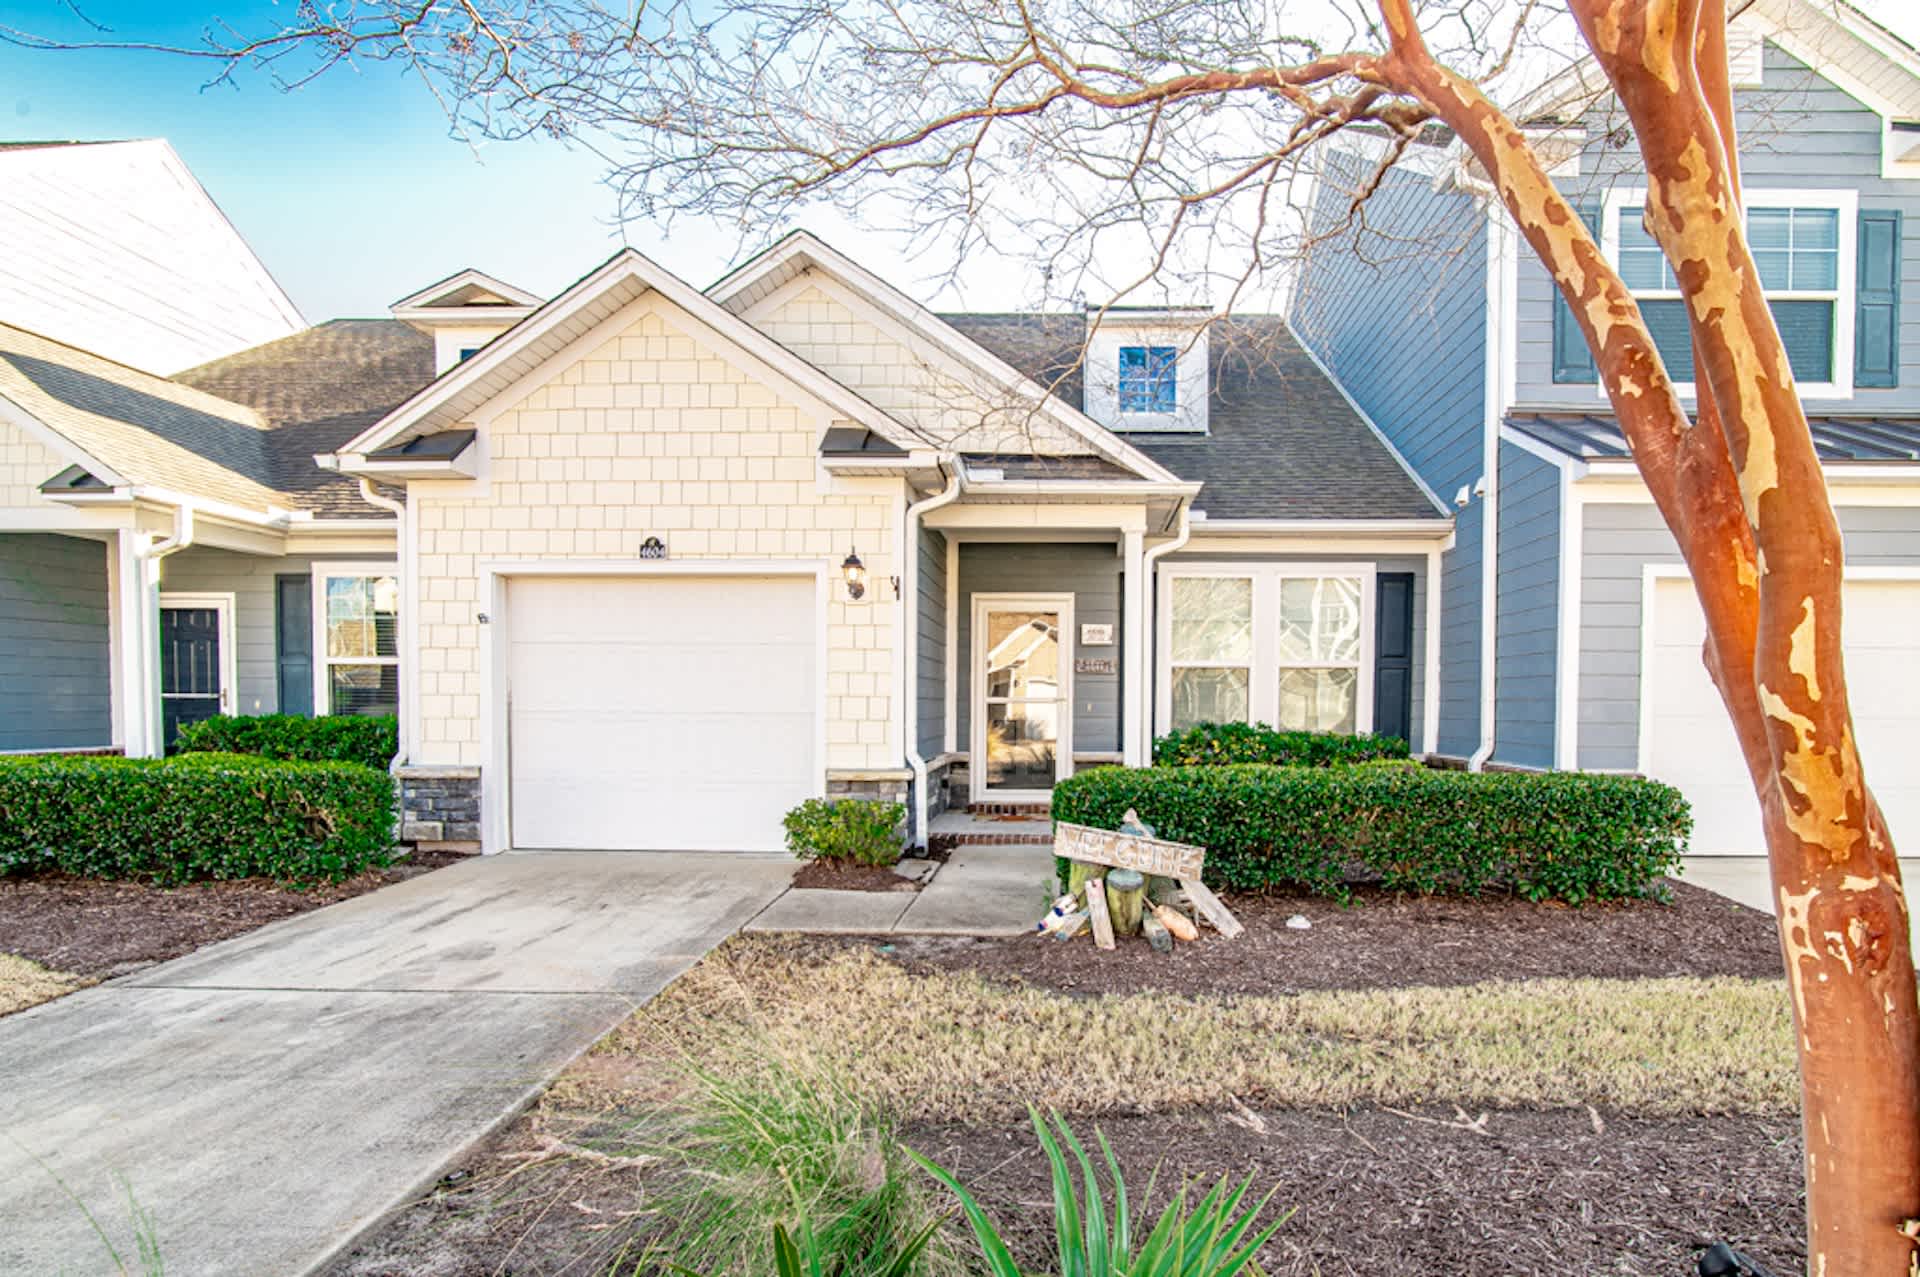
[950, 1047]
[24, 984]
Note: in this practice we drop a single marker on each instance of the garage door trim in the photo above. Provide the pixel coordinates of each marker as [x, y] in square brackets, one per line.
[495, 623]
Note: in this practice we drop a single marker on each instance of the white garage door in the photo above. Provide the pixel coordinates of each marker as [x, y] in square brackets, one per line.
[1691, 744]
[660, 713]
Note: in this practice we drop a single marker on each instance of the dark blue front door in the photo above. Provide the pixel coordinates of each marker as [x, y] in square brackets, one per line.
[189, 667]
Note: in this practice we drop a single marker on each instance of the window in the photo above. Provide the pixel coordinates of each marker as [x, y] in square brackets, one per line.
[1286, 644]
[1801, 242]
[357, 621]
[1147, 379]
[1211, 650]
[468, 352]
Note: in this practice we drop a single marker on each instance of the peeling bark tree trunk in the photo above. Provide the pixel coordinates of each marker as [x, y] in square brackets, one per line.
[1744, 493]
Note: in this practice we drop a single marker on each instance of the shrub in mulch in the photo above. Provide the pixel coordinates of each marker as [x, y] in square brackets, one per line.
[194, 816]
[370, 740]
[1545, 836]
[1225, 744]
[856, 831]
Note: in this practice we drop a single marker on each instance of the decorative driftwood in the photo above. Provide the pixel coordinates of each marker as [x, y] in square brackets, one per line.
[1158, 856]
[1097, 911]
[1126, 900]
[1211, 909]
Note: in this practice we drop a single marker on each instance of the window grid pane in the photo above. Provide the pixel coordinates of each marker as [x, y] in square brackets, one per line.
[363, 689]
[1212, 620]
[1209, 696]
[362, 616]
[1319, 700]
[1320, 620]
[1147, 378]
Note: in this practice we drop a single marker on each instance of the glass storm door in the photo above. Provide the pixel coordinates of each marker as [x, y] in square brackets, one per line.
[1022, 699]
[190, 667]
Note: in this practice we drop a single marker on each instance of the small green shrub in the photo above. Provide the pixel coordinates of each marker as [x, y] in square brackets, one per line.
[193, 816]
[1224, 744]
[1555, 835]
[371, 741]
[863, 831]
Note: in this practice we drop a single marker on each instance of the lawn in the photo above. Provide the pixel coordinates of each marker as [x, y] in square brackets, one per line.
[1420, 1117]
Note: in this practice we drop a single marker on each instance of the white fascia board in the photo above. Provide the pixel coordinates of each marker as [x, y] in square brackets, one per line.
[464, 466]
[1378, 433]
[1438, 529]
[424, 299]
[968, 357]
[52, 440]
[626, 265]
[1547, 453]
[1079, 488]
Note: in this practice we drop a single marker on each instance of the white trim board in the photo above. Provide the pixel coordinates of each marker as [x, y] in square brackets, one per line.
[225, 604]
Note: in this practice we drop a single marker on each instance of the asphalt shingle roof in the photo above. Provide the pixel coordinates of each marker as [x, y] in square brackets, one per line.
[1282, 441]
[315, 391]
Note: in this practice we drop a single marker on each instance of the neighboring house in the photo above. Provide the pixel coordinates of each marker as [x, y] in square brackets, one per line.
[115, 248]
[1570, 633]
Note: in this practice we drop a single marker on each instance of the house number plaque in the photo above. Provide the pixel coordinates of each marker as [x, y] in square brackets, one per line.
[1095, 665]
[653, 548]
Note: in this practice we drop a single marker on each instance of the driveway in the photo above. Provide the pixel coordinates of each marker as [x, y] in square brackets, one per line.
[265, 1099]
[1746, 879]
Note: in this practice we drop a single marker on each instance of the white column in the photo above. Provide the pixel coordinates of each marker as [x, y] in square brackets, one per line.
[137, 622]
[1133, 658]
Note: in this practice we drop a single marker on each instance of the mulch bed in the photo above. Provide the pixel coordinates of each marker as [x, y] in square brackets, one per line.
[1377, 1192]
[96, 927]
[1371, 1191]
[851, 877]
[1384, 940]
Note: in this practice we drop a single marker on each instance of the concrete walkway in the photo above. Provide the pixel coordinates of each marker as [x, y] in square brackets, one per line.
[979, 891]
[266, 1099]
[1745, 879]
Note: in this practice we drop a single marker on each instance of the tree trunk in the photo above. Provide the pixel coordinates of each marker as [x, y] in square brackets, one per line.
[1746, 498]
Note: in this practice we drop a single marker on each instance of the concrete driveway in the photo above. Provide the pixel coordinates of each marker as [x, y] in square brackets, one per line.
[1746, 879]
[265, 1099]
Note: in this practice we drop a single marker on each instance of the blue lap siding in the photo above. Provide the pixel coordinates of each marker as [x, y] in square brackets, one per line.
[55, 667]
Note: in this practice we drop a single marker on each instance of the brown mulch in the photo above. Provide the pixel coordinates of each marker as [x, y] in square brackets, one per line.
[1383, 940]
[840, 876]
[1372, 1192]
[98, 927]
[1378, 1192]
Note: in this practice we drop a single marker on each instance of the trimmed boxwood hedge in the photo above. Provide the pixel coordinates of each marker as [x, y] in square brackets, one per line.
[194, 816]
[370, 740]
[1557, 835]
[1223, 744]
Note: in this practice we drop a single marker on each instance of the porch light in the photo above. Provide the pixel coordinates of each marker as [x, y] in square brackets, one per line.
[856, 573]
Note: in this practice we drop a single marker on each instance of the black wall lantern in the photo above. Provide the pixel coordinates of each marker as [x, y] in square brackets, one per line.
[856, 573]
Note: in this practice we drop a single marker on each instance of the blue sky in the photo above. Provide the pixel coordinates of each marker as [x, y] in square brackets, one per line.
[351, 189]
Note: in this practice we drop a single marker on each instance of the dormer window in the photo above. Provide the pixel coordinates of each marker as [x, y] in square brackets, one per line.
[1147, 371]
[1147, 379]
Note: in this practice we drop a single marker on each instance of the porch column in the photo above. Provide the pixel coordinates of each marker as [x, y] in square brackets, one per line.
[136, 608]
[1133, 653]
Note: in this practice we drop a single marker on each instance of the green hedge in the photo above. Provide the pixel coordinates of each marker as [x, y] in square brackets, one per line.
[1224, 744]
[1558, 835]
[193, 816]
[371, 741]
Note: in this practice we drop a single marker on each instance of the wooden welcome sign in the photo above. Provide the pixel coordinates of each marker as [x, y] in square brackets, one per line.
[1158, 857]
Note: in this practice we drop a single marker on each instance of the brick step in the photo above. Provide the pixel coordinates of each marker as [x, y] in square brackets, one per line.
[948, 842]
[1035, 811]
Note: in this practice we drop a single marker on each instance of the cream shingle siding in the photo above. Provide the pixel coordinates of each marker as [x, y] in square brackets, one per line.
[25, 464]
[652, 434]
[912, 386]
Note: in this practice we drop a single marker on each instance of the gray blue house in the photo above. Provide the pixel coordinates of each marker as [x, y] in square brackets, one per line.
[1571, 637]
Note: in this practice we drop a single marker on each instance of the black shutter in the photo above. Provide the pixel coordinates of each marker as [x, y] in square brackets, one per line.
[1393, 656]
[293, 642]
[1572, 360]
[1876, 324]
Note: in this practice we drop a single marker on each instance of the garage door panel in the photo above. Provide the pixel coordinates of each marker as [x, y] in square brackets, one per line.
[661, 712]
[1691, 742]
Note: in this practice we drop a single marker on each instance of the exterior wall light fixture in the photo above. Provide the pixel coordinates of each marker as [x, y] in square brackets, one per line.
[856, 573]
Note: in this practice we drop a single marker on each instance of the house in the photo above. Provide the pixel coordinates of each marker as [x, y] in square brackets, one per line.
[642, 564]
[114, 247]
[1570, 636]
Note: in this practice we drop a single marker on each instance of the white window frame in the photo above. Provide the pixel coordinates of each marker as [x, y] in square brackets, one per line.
[1166, 639]
[1191, 373]
[1845, 203]
[1263, 684]
[322, 573]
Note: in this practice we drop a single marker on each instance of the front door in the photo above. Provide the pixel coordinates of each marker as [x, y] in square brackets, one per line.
[195, 655]
[1022, 695]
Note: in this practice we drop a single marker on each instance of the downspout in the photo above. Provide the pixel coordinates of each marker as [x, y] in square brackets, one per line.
[407, 611]
[1148, 561]
[1500, 294]
[910, 625]
[147, 561]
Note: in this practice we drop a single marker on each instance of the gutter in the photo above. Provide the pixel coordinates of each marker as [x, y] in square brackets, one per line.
[910, 658]
[1148, 563]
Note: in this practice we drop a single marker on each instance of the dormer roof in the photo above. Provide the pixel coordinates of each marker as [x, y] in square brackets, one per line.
[467, 297]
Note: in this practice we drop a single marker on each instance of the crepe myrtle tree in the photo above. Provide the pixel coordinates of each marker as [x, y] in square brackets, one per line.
[1058, 130]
